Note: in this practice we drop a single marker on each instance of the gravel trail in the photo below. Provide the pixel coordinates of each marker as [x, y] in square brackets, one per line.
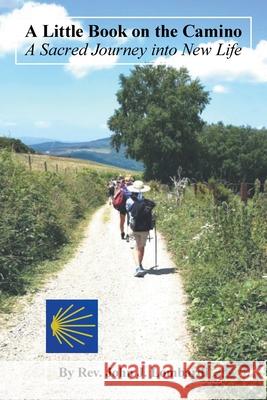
[139, 318]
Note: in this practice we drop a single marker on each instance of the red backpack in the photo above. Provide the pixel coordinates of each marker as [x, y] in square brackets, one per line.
[118, 200]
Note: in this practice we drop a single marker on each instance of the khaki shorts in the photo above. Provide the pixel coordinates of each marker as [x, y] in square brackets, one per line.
[140, 238]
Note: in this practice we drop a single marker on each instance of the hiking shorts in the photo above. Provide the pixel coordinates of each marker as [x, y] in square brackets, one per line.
[122, 210]
[140, 238]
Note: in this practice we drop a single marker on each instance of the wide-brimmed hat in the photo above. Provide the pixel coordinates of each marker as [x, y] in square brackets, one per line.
[138, 187]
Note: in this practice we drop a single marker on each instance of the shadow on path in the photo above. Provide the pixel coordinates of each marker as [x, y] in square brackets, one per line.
[161, 271]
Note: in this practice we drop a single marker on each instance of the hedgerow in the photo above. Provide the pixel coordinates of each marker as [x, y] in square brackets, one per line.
[38, 212]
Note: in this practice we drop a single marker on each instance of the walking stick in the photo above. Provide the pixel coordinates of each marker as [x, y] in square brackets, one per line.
[127, 229]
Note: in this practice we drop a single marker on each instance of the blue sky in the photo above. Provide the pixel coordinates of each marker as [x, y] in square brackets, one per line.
[67, 104]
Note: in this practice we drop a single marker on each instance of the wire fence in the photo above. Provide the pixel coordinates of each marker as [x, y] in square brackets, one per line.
[65, 165]
[245, 190]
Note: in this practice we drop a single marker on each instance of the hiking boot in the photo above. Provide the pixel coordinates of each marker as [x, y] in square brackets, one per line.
[139, 272]
[122, 235]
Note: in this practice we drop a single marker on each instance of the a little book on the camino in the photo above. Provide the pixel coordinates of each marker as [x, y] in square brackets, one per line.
[133, 200]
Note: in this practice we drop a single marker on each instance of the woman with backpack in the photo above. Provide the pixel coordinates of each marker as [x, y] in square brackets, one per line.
[140, 219]
[119, 201]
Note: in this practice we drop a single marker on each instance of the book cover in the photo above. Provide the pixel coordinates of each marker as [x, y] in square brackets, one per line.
[133, 200]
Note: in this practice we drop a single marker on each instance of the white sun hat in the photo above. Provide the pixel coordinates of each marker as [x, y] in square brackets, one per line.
[138, 187]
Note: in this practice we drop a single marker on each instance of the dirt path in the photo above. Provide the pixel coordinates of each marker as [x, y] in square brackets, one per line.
[138, 317]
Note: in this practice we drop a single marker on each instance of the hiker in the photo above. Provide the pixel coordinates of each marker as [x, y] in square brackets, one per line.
[119, 201]
[111, 191]
[141, 221]
[120, 179]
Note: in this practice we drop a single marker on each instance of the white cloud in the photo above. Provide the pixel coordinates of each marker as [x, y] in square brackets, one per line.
[15, 24]
[220, 89]
[80, 66]
[123, 40]
[251, 65]
[42, 124]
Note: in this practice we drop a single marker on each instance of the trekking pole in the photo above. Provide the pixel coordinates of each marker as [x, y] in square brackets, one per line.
[156, 246]
[127, 227]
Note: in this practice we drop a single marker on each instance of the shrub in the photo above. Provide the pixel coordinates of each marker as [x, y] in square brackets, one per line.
[220, 192]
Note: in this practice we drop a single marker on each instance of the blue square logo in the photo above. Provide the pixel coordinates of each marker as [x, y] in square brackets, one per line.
[71, 326]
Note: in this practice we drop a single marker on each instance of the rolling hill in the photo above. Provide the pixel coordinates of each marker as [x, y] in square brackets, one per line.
[96, 150]
[14, 144]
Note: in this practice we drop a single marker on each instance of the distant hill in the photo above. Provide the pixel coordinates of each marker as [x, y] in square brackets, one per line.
[14, 144]
[96, 150]
[30, 140]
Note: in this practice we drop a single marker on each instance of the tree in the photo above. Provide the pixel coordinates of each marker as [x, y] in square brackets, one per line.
[233, 153]
[158, 119]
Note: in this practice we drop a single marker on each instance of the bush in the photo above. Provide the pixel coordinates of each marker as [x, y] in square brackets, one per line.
[220, 192]
[37, 214]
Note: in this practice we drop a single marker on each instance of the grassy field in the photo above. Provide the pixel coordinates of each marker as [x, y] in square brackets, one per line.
[65, 165]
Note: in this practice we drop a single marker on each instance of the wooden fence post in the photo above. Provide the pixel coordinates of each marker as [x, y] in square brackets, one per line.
[45, 166]
[244, 192]
[195, 189]
[30, 162]
[56, 167]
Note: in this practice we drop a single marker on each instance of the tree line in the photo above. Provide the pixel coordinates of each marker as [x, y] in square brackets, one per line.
[14, 144]
[159, 121]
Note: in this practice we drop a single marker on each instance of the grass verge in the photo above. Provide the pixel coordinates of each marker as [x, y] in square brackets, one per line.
[49, 268]
[39, 213]
[220, 249]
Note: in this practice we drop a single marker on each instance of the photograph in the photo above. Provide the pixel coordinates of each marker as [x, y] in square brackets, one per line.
[133, 200]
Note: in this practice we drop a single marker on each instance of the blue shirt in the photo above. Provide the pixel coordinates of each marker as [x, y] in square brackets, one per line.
[130, 202]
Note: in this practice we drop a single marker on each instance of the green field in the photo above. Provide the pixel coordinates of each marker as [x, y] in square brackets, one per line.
[65, 164]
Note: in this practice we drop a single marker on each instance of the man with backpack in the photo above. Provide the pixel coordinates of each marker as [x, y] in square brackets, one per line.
[140, 219]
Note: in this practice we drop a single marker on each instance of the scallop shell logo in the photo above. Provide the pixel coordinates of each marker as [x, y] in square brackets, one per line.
[66, 323]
